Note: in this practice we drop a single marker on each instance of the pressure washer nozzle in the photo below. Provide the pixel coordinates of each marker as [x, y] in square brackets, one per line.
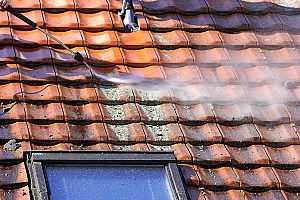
[78, 57]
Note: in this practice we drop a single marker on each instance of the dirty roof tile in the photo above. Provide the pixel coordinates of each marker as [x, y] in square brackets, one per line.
[162, 114]
[10, 91]
[18, 131]
[84, 92]
[210, 155]
[223, 177]
[171, 39]
[17, 194]
[221, 75]
[258, 6]
[263, 177]
[203, 39]
[265, 22]
[52, 147]
[185, 74]
[232, 113]
[179, 56]
[90, 133]
[194, 114]
[254, 155]
[86, 112]
[281, 56]
[204, 134]
[181, 151]
[277, 38]
[201, 22]
[238, 40]
[44, 112]
[263, 75]
[289, 178]
[163, 134]
[229, 23]
[210, 56]
[270, 194]
[120, 114]
[274, 113]
[239, 135]
[151, 6]
[227, 6]
[11, 176]
[163, 22]
[114, 94]
[57, 132]
[281, 135]
[189, 173]
[14, 153]
[16, 112]
[288, 74]
[290, 22]
[254, 56]
[294, 113]
[285, 156]
[121, 134]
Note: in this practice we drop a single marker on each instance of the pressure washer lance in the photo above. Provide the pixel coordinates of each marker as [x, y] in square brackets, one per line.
[128, 79]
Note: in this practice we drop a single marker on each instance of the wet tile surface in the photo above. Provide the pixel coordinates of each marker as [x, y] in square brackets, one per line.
[217, 82]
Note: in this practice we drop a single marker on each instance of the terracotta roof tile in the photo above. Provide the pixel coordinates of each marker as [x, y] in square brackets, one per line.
[259, 178]
[12, 176]
[254, 155]
[93, 22]
[17, 194]
[240, 135]
[16, 130]
[57, 4]
[91, 5]
[210, 155]
[57, 132]
[204, 134]
[84, 134]
[220, 88]
[122, 134]
[6, 37]
[223, 177]
[285, 156]
[61, 21]
[281, 135]
[86, 112]
[35, 15]
[44, 112]
[171, 39]
[191, 6]
[120, 114]
[289, 179]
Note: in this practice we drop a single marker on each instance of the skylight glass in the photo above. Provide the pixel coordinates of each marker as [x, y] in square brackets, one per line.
[69, 182]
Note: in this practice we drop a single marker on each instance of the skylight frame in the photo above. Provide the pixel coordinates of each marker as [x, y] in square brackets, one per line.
[37, 160]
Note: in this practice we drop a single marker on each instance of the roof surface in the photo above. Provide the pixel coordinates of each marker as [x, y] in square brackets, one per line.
[221, 89]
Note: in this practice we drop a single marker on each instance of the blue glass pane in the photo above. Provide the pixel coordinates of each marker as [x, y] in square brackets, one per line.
[72, 182]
